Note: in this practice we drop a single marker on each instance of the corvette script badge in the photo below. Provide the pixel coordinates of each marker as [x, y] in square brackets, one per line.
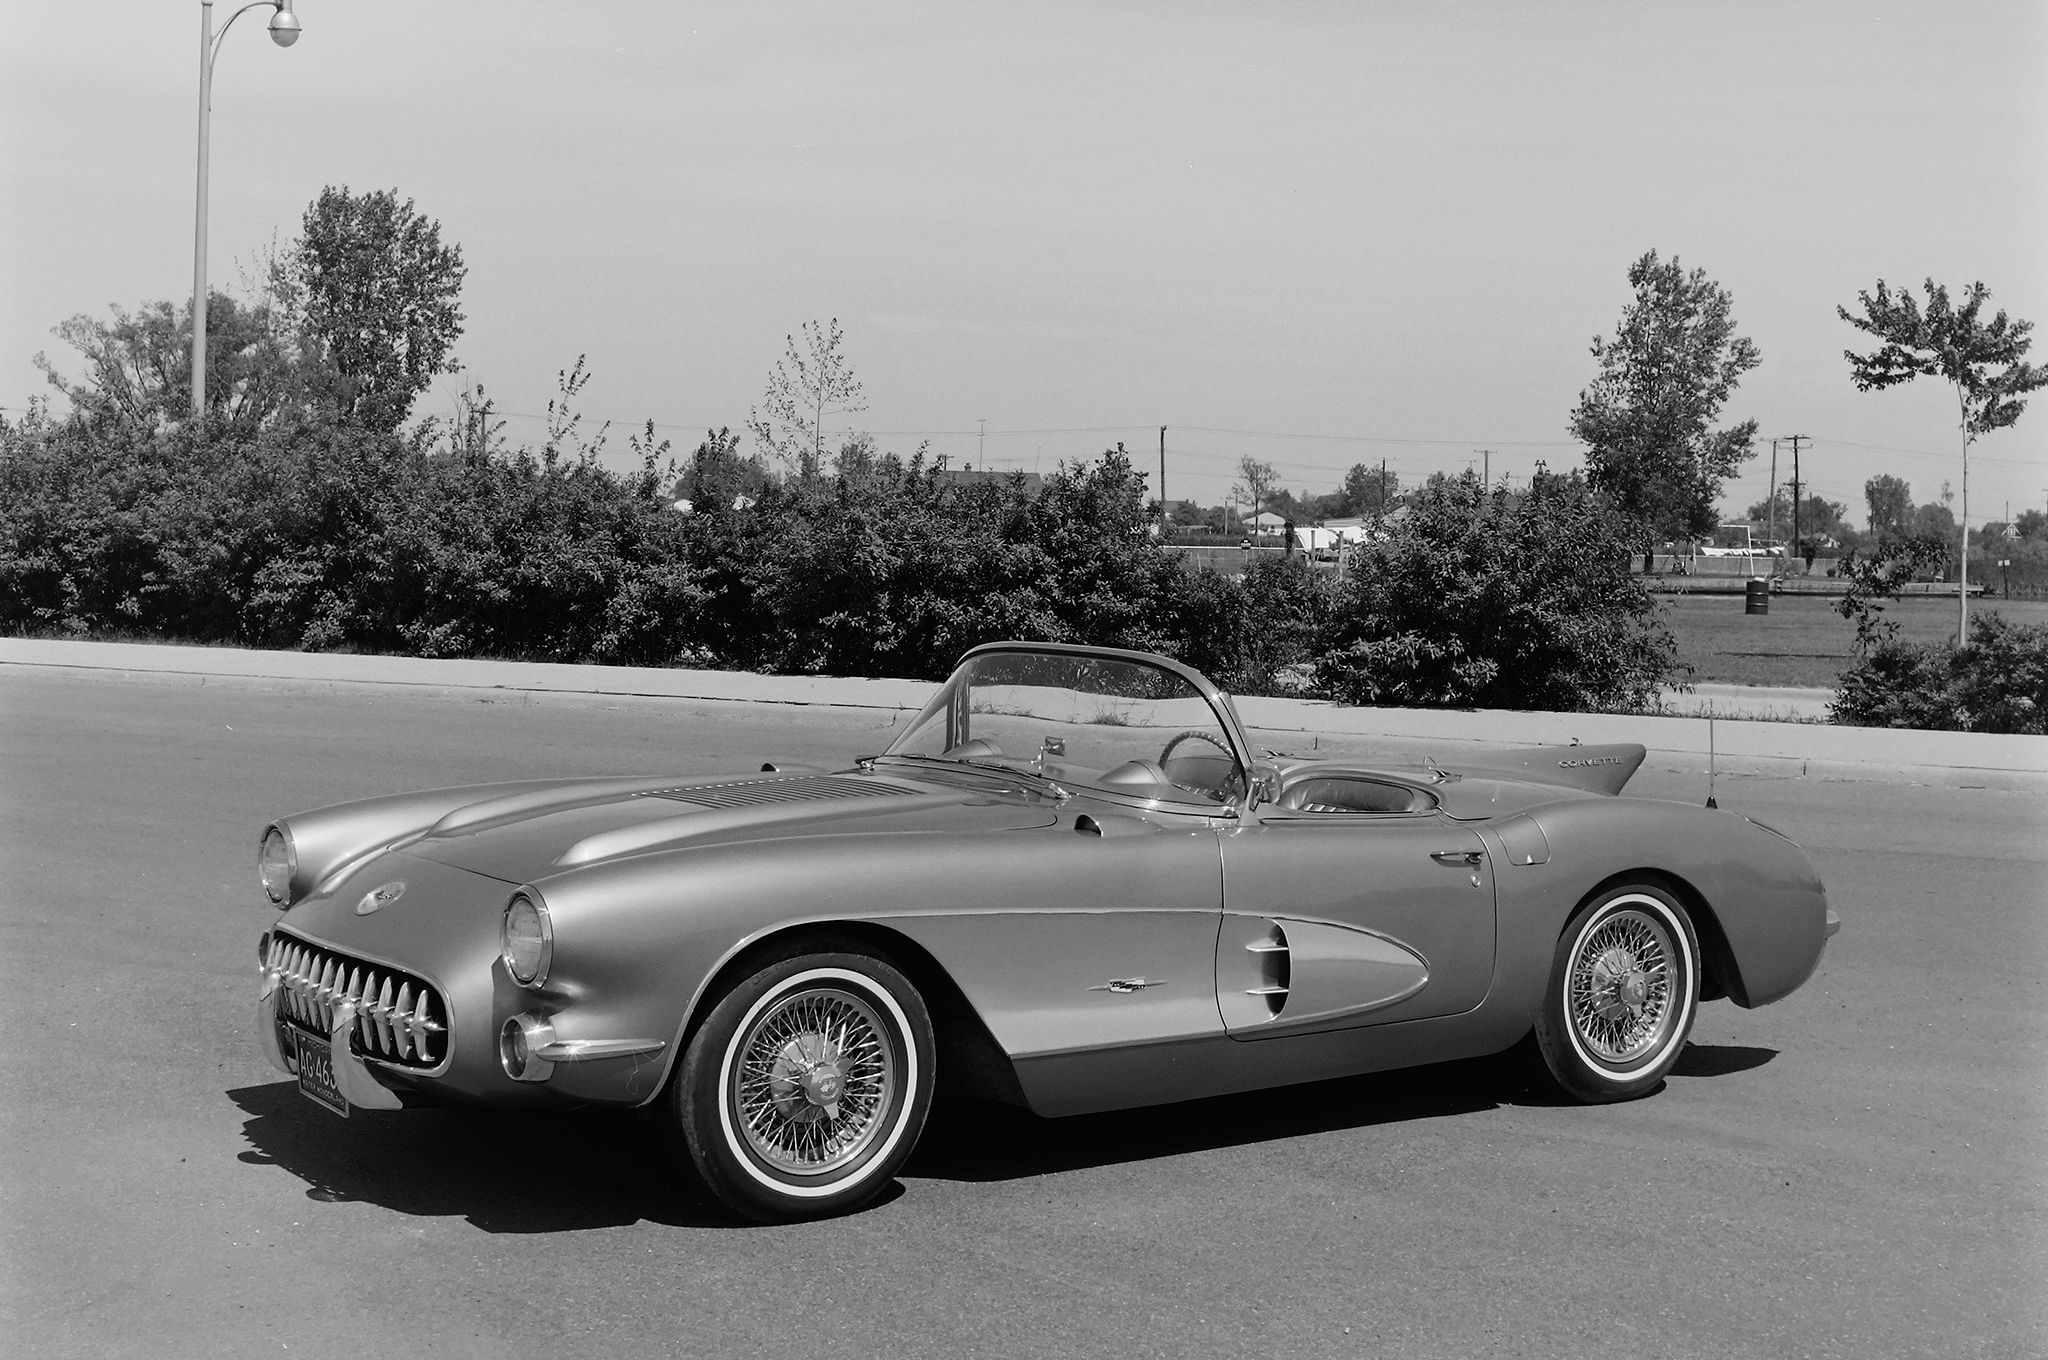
[379, 898]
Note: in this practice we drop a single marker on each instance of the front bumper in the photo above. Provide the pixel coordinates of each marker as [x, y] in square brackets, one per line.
[358, 1085]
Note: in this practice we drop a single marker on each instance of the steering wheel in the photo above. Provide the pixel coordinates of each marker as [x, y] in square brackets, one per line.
[1194, 734]
[1220, 791]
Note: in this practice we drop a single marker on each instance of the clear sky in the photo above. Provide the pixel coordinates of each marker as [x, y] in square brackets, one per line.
[1318, 233]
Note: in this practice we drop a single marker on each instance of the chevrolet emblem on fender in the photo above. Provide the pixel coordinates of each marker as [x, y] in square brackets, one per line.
[1125, 985]
[379, 898]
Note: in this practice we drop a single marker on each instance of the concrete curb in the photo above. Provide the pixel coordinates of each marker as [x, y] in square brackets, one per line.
[1763, 744]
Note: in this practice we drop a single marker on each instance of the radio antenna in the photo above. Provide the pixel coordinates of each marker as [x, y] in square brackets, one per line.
[1710, 757]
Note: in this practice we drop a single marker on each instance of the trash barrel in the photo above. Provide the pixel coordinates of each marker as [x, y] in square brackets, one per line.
[1756, 597]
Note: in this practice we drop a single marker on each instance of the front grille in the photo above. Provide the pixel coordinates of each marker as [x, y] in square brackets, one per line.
[399, 1018]
[788, 789]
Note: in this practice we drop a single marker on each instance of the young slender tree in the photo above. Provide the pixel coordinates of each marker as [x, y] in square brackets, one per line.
[1982, 360]
[803, 389]
[1255, 483]
[1648, 418]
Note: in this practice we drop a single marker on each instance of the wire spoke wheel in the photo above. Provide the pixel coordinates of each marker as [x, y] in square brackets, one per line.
[1620, 987]
[807, 1084]
[1624, 988]
[816, 1074]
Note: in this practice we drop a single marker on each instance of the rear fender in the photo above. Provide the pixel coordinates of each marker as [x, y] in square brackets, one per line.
[1593, 769]
[1763, 907]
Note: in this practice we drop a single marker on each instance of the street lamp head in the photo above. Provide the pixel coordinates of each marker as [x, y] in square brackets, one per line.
[284, 25]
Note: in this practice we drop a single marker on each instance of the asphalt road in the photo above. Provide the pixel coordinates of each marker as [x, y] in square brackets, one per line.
[1857, 1171]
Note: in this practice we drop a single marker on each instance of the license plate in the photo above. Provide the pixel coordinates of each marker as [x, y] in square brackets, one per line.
[316, 1072]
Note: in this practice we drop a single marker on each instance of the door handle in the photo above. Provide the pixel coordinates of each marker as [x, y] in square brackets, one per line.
[1470, 859]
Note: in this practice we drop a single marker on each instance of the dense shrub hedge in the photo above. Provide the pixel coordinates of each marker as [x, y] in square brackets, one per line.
[1484, 599]
[323, 536]
[320, 534]
[1997, 683]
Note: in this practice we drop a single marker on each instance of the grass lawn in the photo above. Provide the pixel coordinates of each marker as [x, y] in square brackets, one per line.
[1802, 641]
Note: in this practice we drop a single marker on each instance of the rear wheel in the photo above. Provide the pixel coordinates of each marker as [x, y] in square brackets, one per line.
[806, 1086]
[1623, 991]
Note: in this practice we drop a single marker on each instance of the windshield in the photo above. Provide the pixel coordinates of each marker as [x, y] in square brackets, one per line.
[1099, 723]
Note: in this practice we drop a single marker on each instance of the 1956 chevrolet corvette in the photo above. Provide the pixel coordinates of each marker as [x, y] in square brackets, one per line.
[1070, 883]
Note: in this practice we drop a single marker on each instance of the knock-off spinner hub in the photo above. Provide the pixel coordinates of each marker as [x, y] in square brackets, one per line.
[809, 1066]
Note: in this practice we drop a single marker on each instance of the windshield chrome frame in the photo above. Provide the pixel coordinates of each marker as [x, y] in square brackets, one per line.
[1219, 705]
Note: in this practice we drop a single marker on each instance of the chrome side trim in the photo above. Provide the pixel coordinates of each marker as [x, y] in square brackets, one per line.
[587, 1050]
[528, 1049]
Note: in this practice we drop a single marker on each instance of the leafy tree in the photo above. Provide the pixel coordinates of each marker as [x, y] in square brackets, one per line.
[1648, 418]
[1818, 516]
[1482, 597]
[1891, 505]
[1933, 520]
[138, 366]
[377, 291]
[1369, 490]
[803, 389]
[2031, 524]
[1984, 361]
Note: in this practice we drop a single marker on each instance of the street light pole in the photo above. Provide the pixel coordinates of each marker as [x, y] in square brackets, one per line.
[284, 31]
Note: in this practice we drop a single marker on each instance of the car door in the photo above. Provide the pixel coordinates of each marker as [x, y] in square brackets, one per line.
[1098, 931]
[1337, 917]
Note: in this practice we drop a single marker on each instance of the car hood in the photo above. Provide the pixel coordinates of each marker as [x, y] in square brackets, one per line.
[534, 834]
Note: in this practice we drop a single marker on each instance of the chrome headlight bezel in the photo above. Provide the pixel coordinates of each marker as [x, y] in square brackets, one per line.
[526, 939]
[277, 864]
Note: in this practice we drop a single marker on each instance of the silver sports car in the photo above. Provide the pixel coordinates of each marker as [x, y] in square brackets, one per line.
[1070, 883]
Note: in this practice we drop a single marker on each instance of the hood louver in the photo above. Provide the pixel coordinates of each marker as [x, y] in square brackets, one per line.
[765, 792]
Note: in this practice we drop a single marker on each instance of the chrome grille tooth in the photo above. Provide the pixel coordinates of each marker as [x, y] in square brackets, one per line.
[330, 990]
[323, 978]
[421, 1030]
[387, 1040]
[401, 1022]
[354, 991]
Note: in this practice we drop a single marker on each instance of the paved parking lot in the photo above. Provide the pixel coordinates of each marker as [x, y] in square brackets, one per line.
[1857, 1171]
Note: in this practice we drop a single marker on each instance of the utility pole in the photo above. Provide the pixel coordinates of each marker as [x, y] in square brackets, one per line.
[1486, 468]
[1383, 491]
[1796, 439]
[1771, 501]
[981, 447]
[1164, 518]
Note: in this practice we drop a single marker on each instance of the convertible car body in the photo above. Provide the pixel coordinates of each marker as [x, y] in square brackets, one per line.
[1069, 883]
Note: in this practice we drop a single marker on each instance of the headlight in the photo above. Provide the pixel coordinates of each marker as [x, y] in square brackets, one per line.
[276, 863]
[529, 939]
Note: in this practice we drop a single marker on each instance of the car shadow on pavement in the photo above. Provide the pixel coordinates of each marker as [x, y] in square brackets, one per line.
[504, 1171]
[1720, 1060]
[972, 1140]
[983, 1141]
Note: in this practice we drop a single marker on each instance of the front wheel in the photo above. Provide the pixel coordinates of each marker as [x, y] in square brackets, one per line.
[1623, 991]
[806, 1086]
